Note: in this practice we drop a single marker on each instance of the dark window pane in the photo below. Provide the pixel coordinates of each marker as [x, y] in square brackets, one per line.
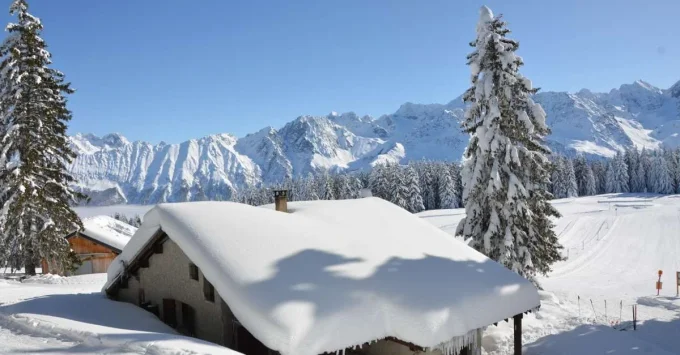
[193, 272]
[208, 290]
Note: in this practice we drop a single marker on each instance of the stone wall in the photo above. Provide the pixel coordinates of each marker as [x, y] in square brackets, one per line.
[168, 277]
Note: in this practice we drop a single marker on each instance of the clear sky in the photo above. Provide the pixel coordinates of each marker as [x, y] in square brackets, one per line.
[178, 69]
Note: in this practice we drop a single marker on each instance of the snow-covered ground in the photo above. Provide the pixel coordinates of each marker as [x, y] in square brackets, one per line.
[615, 245]
[65, 315]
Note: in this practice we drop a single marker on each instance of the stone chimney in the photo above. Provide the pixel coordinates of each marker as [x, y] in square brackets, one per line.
[281, 200]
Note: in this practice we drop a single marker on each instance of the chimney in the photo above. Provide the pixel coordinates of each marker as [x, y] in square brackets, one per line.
[281, 200]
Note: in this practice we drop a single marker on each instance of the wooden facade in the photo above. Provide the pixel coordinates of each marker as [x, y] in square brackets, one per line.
[95, 256]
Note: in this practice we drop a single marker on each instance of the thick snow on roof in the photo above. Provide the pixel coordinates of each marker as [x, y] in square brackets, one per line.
[333, 274]
[108, 230]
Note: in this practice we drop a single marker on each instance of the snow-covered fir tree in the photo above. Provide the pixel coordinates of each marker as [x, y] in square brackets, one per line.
[637, 177]
[610, 178]
[570, 178]
[457, 185]
[660, 177]
[506, 169]
[399, 194]
[673, 164]
[599, 168]
[326, 187]
[589, 187]
[35, 193]
[414, 197]
[622, 182]
[427, 184]
[379, 183]
[447, 189]
[558, 180]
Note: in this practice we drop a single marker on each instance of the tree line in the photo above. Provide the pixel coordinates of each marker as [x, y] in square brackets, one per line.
[638, 171]
[416, 187]
[430, 185]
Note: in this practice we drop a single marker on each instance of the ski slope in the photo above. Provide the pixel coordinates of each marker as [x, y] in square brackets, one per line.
[614, 246]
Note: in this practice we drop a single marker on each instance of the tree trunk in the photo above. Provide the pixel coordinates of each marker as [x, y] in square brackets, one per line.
[29, 264]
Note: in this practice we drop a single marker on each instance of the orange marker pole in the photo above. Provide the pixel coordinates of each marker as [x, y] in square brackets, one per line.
[658, 283]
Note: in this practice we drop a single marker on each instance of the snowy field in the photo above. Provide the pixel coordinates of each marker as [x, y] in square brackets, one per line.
[615, 245]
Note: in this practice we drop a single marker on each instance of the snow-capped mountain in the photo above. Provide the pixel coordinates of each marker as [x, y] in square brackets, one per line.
[112, 169]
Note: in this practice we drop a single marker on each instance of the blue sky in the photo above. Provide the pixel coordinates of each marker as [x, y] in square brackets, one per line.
[177, 69]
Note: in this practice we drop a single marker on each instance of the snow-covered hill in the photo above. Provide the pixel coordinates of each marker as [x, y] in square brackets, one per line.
[614, 246]
[113, 170]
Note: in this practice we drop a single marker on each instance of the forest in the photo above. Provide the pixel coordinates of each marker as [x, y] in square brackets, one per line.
[428, 185]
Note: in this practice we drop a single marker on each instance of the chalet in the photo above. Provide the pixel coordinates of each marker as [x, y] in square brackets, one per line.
[102, 239]
[305, 278]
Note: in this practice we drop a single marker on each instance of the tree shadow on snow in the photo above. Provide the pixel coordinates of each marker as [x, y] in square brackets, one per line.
[427, 284]
[651, 337]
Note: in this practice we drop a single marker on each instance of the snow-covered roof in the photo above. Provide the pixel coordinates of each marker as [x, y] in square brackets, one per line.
[333, 274]
[108, 231]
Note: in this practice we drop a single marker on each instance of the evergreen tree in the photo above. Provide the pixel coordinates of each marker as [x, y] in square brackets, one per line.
[327, 188]
[580, 165]
[310, 188]
[415, 200]
[570, 178]
[590, 187]
[506, 169]
[637, 179]
[398, 193]
[610, 178]
[447, 189]
[660, 176]
[673, 165]
[427, 183]
[558, 180]
[632, 159]
[36, 195]
[622, 182]
[599, 169]
[379, 183]
[457, 185]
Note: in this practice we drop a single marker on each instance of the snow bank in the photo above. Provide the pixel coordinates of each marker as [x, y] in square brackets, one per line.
[72, 310]
[109, 231]
[333, 274]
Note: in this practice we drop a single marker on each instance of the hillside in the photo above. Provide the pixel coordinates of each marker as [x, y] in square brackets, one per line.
[614, 245]
[114, 170]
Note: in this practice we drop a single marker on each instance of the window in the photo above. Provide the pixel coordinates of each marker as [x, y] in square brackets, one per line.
[208, 290]
[193, 272]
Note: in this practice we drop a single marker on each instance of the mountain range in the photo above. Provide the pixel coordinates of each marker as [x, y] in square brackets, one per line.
[111, 169]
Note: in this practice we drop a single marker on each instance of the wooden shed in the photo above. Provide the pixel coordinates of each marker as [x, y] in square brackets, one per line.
[97, 245]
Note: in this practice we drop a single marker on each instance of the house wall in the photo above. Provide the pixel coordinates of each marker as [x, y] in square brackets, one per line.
[100, 261]
[168, 277]
[85, 246]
